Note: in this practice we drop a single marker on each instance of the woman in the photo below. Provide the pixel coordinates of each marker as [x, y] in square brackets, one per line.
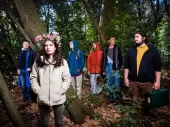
[94, 67]
[50, 78]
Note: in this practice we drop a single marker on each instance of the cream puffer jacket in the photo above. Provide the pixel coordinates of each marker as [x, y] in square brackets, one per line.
[49, 83]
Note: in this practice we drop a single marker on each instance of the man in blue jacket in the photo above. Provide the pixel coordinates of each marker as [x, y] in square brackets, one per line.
[75, 59]
[25, 62]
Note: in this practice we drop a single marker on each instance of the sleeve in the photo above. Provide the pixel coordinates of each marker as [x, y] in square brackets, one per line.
[33, 57]
[81, 61]
[66, 78]
[157, 61]
[88, 63]
[126, 63]
[103, 60]
[120, 58]
[67, 58]
[35, 79]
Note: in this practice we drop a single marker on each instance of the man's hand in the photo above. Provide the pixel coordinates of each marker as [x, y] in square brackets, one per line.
[18, 72]
[126, 82]
[104, 73]
[28, 69]
[78, 70]
[156, 85]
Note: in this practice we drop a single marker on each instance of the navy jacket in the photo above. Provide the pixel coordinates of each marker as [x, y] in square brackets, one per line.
[31, 58]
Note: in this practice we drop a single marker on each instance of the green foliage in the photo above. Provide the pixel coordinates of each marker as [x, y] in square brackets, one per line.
[73, 22]
[126, 122]
[127, 119]
[162, 40]
[94, 99]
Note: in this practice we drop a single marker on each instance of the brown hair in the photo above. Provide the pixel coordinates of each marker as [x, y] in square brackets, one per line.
[112, 36]
[143, 34]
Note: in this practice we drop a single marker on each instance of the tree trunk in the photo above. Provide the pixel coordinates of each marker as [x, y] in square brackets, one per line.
[139, 11]
[93, 19]
[167, 8]
[9, 105]
[75, 107]
[108, 14]
[101, 16]
[30, 18]
[20, 28]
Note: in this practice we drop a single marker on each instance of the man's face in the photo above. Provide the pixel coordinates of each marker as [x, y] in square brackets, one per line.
[71, 45]
[111, 41]
[25, 45]
[94, 45]
[138, 39]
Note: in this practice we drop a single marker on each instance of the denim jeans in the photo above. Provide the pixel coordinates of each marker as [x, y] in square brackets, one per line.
[95, 89]
[113, 83]
[26, 91]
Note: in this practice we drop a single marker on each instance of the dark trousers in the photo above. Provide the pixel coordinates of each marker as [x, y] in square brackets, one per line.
[45, 115]
[137, 89]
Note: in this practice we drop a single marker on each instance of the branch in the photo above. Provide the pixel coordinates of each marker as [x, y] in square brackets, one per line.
[21, 29]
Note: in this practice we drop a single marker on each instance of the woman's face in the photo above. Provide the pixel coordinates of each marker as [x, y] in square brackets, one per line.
[49, 48]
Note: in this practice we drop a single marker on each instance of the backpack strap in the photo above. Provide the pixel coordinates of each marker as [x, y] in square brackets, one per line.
[78, 53]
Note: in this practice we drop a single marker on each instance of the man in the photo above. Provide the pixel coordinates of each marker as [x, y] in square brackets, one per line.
[94, 67]
[75, 59]
[112, 62]
[25, 62]
[142, 69]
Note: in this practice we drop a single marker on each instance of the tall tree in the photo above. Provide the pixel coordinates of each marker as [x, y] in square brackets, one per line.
[9, 105]
[94, 21]
[30, 18]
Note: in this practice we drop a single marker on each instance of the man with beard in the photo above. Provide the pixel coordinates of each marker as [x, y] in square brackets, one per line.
[142, 68]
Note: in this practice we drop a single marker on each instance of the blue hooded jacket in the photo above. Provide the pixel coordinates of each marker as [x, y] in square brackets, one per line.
[75, 59]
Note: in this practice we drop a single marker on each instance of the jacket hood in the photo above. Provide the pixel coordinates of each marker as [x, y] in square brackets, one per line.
[46, 61]
[97, 46]
[75, 43]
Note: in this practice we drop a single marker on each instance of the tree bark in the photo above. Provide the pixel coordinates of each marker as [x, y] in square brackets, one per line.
[30, 18]
[93, 19]
[20, 28]
[75, 107]
[9, 105]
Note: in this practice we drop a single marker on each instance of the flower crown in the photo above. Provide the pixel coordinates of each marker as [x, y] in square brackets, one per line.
[54, 37]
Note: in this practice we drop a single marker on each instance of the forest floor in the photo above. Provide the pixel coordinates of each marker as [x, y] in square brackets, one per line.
[114, 115]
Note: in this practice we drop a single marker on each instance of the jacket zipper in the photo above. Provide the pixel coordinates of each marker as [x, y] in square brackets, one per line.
[49, 84]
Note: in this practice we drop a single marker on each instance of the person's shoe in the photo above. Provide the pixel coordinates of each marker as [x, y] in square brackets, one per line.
[120, 102]
[25, 100]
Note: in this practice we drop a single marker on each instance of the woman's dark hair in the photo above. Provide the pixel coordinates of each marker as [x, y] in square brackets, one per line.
[57, 56]
[143, 34]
